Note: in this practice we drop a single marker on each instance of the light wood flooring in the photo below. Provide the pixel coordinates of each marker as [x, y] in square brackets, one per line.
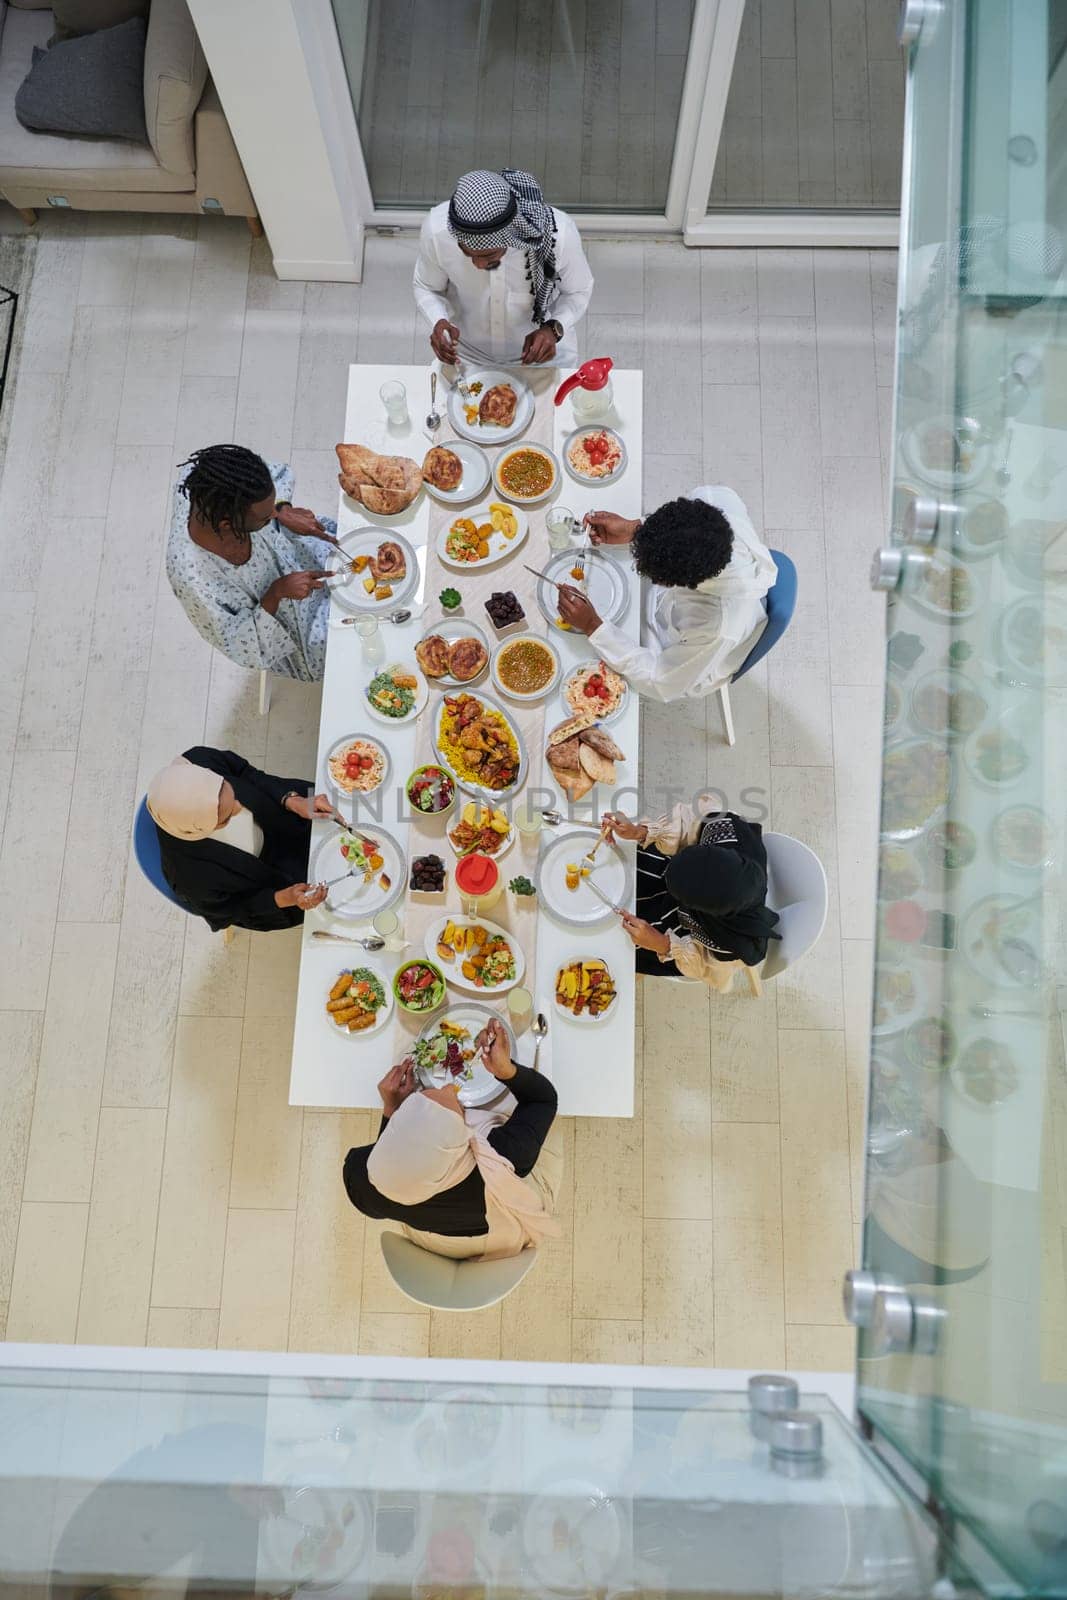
[154, 1184]
[815, 113]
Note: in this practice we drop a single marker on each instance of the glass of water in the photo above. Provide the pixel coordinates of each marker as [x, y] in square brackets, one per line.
[562, 524]
[394, 398]
[387, 924]
[527, 820]
[370, 637]
[520, 1005]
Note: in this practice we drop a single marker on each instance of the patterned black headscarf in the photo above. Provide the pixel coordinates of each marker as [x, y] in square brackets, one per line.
[507, 211]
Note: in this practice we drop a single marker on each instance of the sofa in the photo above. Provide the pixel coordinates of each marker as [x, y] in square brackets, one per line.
[190, 163]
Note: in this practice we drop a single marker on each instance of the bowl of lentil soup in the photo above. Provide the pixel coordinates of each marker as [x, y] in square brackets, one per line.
[526, 667]
[527, 474]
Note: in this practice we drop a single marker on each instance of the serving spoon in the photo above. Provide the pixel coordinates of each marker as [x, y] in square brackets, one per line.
[403, 615]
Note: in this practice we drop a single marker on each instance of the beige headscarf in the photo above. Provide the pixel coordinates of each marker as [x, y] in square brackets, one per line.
[425, 1148]
[184, 799]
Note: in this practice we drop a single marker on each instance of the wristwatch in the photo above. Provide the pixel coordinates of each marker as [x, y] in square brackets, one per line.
[556, 326]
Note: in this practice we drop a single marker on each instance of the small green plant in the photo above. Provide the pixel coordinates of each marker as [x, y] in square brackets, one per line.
[450, 599]
[959, 652]
[521, 886]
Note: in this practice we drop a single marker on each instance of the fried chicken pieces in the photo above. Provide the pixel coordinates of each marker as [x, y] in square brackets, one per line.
[384, 484]
[581, 754]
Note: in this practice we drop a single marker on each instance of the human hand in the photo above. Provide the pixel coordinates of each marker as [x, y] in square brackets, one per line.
[443, 340]
[644, 935]
[607, 527]
[493, 1043]
[294, 586]
[310, 809]
[298, 519]
[304, 895]
[397, 1084]
[576, 610]
[617, 826]
[540, 345]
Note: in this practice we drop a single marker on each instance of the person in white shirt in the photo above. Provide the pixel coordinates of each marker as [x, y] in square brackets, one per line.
[502, 270]
[710, 574]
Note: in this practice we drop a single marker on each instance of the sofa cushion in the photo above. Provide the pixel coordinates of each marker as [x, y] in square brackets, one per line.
[88, 85]
[88, 16]
[175, 73]
[55, 161]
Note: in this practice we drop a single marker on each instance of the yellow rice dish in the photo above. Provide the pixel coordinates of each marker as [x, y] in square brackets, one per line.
[477, 742]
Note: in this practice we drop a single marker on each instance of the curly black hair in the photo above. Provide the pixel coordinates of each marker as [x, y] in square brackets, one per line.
[223, 481]
[683, 544]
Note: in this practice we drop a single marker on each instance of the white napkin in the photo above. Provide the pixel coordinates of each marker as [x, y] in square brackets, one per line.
[526, 1042]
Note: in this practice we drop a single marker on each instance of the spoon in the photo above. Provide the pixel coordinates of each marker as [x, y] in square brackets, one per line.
[373, 941]
[1003, 474]
[538, 1027]
[391, 616]
[552, 817]
[433, 421]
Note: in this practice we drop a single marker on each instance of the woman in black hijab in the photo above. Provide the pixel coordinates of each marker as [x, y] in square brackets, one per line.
[701, 895]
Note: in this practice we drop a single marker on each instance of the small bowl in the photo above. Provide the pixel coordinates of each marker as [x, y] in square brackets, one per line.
[435, 769]
[428, 897]
[507, 629]
[419, 1011]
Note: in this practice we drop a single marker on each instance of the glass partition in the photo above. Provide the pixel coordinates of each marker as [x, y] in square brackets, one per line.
[584, 96]
[963, 1361]
[373, 1488]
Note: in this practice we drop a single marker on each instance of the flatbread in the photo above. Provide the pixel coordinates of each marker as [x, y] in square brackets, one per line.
[498, 405]
[443, 468]
[432, 655]
[466, 658]
[566, 730]
[384, 484]
[565, 758]
[599, 768]
[600, 740]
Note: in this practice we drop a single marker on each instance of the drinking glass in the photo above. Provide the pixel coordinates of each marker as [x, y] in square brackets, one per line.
[562, 524]
[387, 924]
[394, 398]
[370, 636]
[528, 822]
[520, 1004]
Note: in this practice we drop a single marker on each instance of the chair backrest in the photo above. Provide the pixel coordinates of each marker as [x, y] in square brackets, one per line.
[447, 1285]
[796, 889]
[781, 602]
[146, 849]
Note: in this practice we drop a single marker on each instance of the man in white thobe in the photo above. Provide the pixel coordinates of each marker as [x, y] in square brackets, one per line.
[709, 572]
[501, 276]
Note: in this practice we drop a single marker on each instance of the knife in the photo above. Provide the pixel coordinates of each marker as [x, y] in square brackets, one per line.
[602, 896]
[543, 575]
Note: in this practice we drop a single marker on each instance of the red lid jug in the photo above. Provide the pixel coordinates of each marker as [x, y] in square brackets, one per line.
[590, 375]
[477, 874]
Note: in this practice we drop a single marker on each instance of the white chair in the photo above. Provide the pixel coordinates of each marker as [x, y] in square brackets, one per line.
[447, 1285]
[796, 889]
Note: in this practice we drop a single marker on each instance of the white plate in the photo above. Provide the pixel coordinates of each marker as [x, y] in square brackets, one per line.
[458, 628]
[499, 546]
[351, 595]
[580, 908]
[517, 694]
[1000, 936]
[566, 958]
[422, 695]
[475, 473]
[946, 477]
[533, 499]
[479, 791]
[572, 1538]
[919, 595]
[582, 477]
[451, 969]
[482, 1087]
[488, 433]
[384, 1013]
[591, 705]
[900, 1016]
[456, 817]
[605, 585]
[339, 745]
[314, 1510]
[355, 900]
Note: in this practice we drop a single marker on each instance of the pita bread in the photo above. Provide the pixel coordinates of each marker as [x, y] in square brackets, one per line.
[384, 484]
[442, 467]
[600, 740]
[599, 768]
[466, 658]
[566, 730]
[564, 758]
[432, 655]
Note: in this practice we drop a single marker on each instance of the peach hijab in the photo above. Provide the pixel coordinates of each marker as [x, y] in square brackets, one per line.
[184, 799]
[425, 1148]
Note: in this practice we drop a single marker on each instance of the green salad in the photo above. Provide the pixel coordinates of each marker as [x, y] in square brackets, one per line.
[392, 692]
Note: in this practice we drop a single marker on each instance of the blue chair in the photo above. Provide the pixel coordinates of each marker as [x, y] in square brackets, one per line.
[146, 849]
[779, 603]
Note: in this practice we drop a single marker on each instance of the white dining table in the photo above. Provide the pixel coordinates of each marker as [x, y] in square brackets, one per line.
[591, 1064]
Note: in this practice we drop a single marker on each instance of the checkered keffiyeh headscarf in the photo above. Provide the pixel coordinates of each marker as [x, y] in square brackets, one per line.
[507, 211]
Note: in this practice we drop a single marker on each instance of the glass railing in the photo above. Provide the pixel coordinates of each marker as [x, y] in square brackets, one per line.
[387, 1488]
[963, 1363]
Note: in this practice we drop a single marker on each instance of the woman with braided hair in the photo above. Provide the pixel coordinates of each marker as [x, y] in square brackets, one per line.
[503, 270]
[247, 565]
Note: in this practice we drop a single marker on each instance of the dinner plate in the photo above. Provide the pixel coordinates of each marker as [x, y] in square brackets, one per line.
[580, 908]
[565, 958]
[934, 585]
[1033, 639]
[487, 433]
[317, 1539]
[527, 499]
[918, 780]
[893, 1015]
[452, 628]
[457, 816]
[499, 545]
[572, 1537]
[593, 705]
[453, 969]
[946, 477]
[483, 1087]
[475, 473]
[605, 585]
[1000, 936]
[469, 785]
[585, 477]
[351, 595]
[518, 694]
[336, 748]
[422, 695]
[384, 1013]
[353, 899]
